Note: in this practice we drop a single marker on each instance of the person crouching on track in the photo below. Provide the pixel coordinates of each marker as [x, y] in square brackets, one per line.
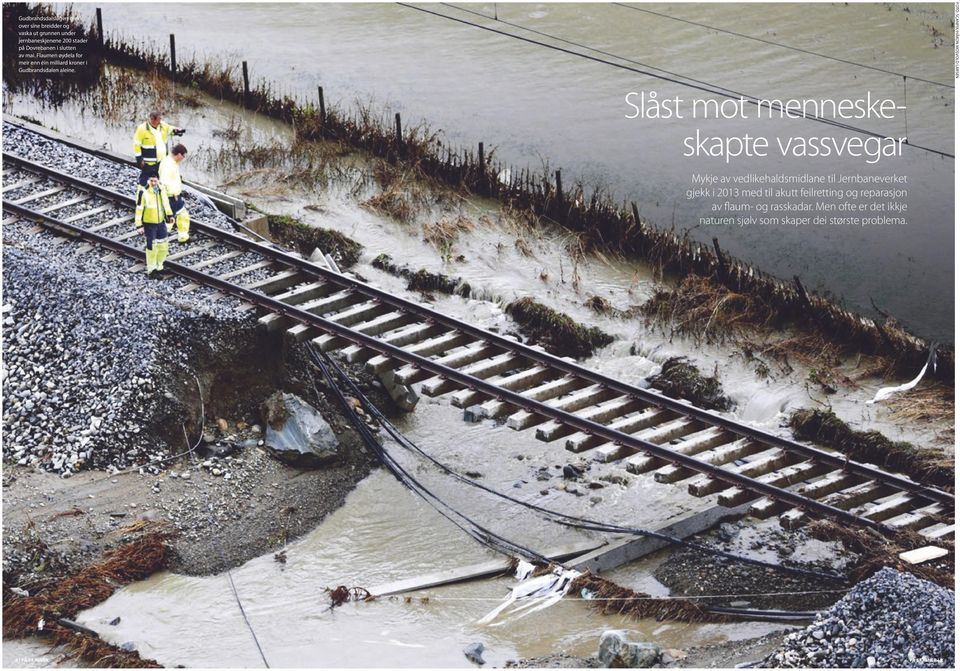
[150, 145]
[170, 178]
[153, 211]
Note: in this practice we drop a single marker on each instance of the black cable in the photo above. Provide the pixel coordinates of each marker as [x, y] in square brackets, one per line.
[783, 46]
[596, 51]
[562, 518]
[712, 89]
[474, 529]
[219, 542]
[718, 89]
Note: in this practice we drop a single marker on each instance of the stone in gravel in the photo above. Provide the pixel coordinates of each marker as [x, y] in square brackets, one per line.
[617, 651]
[297, 433]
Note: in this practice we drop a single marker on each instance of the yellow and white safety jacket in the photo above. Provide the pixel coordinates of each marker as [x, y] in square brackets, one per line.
[153, 205]
[170, 176]
[149, 143]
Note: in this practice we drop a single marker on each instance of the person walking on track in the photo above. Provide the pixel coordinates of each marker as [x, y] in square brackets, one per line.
[150, 145]
[170, 178]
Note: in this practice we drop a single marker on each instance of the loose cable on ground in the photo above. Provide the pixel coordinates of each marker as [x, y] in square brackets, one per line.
[223, 557]
[561, 518]
[469, 526]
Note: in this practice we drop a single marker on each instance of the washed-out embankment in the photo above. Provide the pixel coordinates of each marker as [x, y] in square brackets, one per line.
[599, 221]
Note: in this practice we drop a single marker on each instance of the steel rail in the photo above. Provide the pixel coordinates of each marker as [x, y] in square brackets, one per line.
[430, 316]
[538, 407]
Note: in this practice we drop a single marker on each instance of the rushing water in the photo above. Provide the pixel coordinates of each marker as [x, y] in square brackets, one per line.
[533, 103]
[382, 533]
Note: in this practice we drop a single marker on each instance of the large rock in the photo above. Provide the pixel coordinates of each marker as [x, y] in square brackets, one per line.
[297, 433]
[617, 652]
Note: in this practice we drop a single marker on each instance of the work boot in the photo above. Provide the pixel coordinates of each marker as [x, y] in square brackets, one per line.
[151, 255]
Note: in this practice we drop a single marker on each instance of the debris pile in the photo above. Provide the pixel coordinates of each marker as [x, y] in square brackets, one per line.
[558, 333]
[678, 378]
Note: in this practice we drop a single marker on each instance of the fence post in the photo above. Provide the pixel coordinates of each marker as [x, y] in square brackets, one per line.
[802, 293]
[323, 107]
[399, 131]
[100, 27]
[173, 55]
[246, 84]
[721, 261]
[482, 165]
[559, 187]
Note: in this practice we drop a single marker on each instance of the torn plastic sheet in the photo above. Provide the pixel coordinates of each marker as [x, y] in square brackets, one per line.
[536, 593]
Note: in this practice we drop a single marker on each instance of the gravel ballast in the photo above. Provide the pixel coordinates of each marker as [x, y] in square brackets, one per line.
[87, 349]
[891, 619]
[119, 177]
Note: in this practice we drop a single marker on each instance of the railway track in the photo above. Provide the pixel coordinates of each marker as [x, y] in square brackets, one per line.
[492, 376]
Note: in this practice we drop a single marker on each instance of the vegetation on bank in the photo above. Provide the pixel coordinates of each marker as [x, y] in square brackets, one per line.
[423, 280]
[68, 596]
[926, 465]
[678, 378]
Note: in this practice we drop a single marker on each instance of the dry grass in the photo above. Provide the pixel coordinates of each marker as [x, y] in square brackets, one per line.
[927, 402]
[92, 585]
[443, 234]
[706, 311]
[395, 203]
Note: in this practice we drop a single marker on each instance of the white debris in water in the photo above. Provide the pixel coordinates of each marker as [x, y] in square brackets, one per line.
[536, 594]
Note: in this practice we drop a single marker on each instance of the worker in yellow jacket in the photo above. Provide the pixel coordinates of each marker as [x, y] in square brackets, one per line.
[170, 179]
[152, 215]
[150, 144]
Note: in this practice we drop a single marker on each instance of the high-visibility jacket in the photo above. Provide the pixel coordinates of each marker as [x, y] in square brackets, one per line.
[149, 143]
[170, 176]
[153, 205]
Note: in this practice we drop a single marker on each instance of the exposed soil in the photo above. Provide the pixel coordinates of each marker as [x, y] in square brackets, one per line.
[694, 573]
[558, 660]
[731, 653]
[717, 656]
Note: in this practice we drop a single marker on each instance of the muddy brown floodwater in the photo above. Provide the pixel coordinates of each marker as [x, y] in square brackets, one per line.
[382, 533]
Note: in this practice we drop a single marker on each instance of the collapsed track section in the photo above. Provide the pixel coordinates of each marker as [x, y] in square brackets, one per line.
[493, 376]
